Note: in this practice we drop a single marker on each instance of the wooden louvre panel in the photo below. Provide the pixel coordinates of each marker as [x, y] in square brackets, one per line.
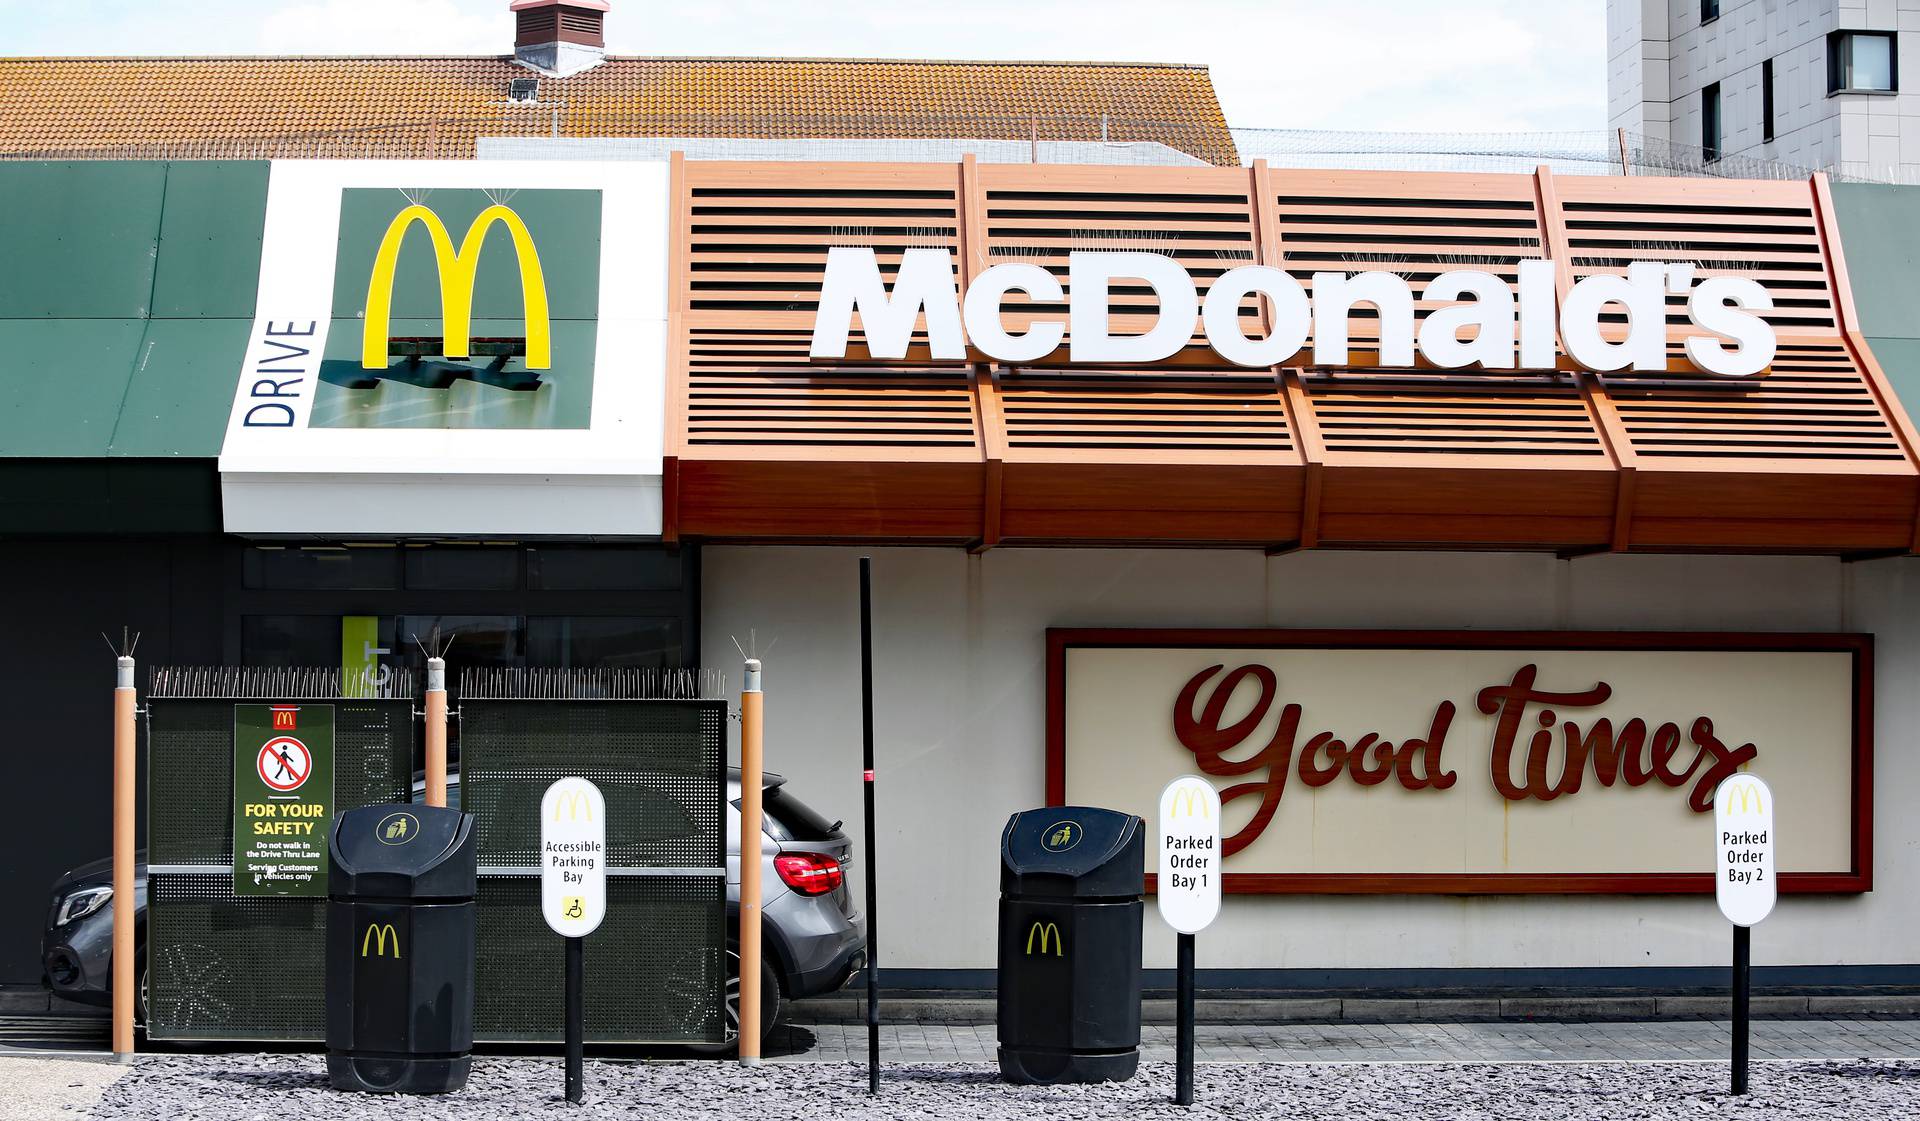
[1189, 455]
[1499, 437]
[774, 444]
[1200, 217]
[1764, 230]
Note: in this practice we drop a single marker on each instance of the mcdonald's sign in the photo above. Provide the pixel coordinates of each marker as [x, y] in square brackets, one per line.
[1189, 802]
[457, 269]
[376, 939]
[576, 804]
[1048, 934]
[1743, 798]
[283, 718]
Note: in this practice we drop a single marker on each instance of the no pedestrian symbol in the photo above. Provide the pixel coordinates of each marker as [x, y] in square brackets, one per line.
[284, 763]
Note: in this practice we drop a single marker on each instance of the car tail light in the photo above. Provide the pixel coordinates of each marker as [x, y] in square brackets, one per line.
[809, 873]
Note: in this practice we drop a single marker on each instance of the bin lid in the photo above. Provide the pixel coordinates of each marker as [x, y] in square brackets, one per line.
[402, 852]
[1073, 851]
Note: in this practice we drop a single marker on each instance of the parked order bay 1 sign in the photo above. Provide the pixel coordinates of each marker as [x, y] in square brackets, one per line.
[282, 798]
[1367, 761]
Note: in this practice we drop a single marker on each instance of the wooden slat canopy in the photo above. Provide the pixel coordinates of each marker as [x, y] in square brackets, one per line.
[765, 444]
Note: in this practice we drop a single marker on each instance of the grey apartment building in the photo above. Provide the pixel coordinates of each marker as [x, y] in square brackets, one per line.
[1813, 83]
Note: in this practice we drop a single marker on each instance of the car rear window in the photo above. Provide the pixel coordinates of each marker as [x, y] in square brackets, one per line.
[790, 819]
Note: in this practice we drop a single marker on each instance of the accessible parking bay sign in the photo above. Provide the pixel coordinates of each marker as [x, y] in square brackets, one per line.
[573, 857]
[282, 798]
[1189, 880]
[1743, 846]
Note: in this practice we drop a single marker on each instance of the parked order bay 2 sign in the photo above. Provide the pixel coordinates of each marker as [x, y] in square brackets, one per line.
[282, 798]
[1407, 761]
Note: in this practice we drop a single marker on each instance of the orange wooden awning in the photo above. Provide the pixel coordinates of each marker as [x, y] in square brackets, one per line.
[764, 444]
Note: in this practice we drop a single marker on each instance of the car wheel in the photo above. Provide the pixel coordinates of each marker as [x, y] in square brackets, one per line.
[770, 1002]
[140, 995]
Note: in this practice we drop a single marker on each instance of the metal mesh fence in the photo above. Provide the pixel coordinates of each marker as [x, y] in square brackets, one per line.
[222, 966]
[658, 755]
[558, 131]
[1596, 152]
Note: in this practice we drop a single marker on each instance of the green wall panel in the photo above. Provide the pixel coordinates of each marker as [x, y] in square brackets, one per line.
[79, 239]
[209, 264]
[61, 383]
[181, 388]
[1880, 236]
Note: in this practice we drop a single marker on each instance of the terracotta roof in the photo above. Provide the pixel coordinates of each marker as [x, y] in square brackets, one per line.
[344, 107]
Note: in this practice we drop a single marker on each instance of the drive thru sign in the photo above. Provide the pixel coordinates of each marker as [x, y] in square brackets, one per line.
[573, 857]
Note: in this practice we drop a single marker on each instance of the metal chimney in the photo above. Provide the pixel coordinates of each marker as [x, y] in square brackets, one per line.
[560, 37]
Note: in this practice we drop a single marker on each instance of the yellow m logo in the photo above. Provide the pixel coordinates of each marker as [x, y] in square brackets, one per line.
[1744, 798]
[575, 804]
[1188, 802]
[457, 271]
[376, 939]
[1047, 933]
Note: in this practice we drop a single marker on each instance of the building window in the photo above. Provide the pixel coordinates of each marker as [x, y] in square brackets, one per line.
[1766, 100]
[1710, 122]
[1862, 62]
[1709, 10]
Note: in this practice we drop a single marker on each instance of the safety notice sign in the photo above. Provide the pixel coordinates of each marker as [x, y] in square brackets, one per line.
[282, 798]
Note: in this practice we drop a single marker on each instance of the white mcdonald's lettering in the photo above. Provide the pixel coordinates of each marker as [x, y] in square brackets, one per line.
[1482, 326]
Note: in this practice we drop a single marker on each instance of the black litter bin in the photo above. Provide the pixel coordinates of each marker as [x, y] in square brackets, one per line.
[400, 950]
[1070, 885]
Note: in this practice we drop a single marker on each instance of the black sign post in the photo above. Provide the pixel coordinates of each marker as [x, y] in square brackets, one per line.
[576, 1018]
[1183, 1074]
[1742, 974]
[873, 906]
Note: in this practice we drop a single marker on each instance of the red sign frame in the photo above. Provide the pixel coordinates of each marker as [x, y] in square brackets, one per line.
[1857, 878]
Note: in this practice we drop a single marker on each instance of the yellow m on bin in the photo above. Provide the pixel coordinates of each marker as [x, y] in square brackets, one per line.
[457, 271]
[1049, 934]
[376, 937]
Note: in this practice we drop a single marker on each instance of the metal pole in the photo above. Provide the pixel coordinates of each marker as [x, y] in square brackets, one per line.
[1183, 1075]
[125, 956]
[576, 1018]
[1620, 134]
[436, 732]
[1742, 973]
[866, 757]
[750, 858]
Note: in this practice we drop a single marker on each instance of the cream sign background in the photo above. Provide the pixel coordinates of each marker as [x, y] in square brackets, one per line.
[1118, 748]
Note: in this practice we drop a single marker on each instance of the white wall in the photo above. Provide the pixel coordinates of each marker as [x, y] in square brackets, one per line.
[960, 681]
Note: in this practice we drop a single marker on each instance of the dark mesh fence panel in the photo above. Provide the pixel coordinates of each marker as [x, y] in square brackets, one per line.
[252, 968]
[660, 764]
[655, 970]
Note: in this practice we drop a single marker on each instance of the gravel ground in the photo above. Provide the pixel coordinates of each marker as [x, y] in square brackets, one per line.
[37, 1088]
[249, 1087]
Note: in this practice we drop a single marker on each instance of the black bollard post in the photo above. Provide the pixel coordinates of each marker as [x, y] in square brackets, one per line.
[576, 1019]
[1183, 1075]
[1742, 973]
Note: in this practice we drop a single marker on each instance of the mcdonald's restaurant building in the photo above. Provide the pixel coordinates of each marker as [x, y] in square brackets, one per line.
[1463, 530]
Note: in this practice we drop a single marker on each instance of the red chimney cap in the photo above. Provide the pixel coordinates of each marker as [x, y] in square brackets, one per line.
[524, 5]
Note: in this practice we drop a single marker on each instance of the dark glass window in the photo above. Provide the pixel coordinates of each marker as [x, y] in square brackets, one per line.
[1766, 99]
[571, 568]
[290, 640]
[1709, 10]
[591, 641]
[1710, 121]
[463, 568]
[478, 640]
[1862, 62]
[320, 567]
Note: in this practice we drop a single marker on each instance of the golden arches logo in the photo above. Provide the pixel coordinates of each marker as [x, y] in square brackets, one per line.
[376, 939]
[457, 269]
[576, 803]
[1190, 802]
[1743, 798]
[1047, 933]
[283, 718]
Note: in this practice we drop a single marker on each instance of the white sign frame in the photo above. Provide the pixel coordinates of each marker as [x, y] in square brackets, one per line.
[573, 857]
[1188, 828]
[1745, 883]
